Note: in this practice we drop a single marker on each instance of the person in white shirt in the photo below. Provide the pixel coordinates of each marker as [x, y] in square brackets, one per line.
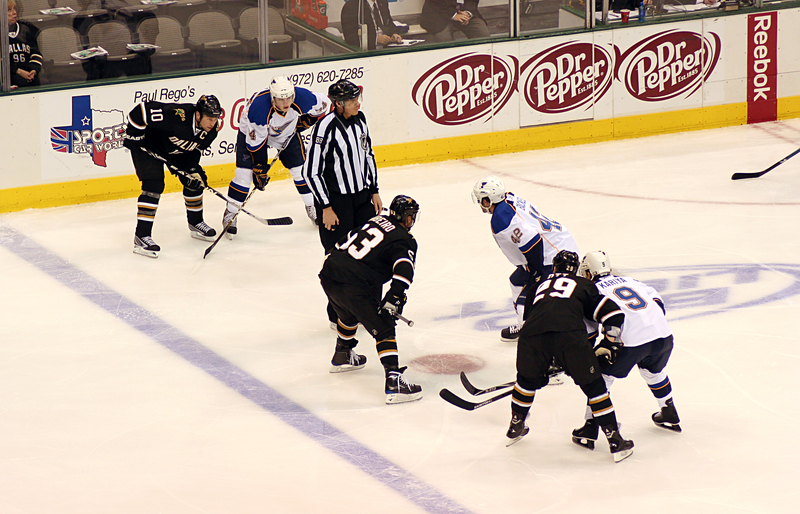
[528, 239]
[646, 337]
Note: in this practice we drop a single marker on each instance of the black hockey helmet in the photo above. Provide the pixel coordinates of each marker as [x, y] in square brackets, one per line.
[566, 262]
[343, 90]
[208, 105]
[403, 206]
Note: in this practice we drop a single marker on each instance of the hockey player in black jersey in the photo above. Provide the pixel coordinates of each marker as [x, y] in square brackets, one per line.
[555, 328]
[353, 276]
[175, 135]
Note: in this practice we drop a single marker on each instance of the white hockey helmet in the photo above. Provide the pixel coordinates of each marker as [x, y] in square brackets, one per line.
[281, 88]
[491, 188]
[595, 265]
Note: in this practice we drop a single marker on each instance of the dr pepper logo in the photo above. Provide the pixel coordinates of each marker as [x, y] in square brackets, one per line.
[466, 88]
[668, 64]
[567, 76]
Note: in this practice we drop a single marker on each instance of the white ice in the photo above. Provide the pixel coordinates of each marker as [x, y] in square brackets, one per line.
[183, 385]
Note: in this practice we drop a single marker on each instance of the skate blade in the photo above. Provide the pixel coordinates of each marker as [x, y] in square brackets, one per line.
[670, 426]
[229, 236]
[509, 339]
[147, 253]
[395, 398]
[622, 455]
[515, 439]
[202, 237]
[342, 368]
[584, 442]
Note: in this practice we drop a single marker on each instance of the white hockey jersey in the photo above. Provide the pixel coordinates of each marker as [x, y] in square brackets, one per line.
[261, 123]
[644, 319]
[517, 227]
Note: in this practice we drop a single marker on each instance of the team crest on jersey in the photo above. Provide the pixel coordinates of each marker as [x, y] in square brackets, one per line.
[181, 113]
[364, 144]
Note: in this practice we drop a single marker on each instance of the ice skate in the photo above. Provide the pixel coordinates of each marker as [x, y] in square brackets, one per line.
[510, 334]
[516, 429]
[311, 212]
[202, 231]
[586, 435]
[620, 448]
[230, 217]
[668, 417]
[400, 390]
[145, 246]
[345, 359]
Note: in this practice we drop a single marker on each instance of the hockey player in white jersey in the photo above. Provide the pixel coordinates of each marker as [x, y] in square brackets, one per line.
[272, 118]
[527, 238]
[646, 342]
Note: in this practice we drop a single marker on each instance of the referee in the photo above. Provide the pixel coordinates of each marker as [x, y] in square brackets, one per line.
[340, 167]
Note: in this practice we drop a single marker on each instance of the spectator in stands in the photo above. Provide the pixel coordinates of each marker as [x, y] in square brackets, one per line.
[375, 14]
[25, 57]
[442, 18]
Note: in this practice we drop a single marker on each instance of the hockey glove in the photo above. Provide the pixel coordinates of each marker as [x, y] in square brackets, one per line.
[393, 303]
[260, 177]
[195, 178]
[607, 351]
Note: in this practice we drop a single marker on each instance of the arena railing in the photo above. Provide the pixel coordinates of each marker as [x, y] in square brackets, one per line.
[75, 41]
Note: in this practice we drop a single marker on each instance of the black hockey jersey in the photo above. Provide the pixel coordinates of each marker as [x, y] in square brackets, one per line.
[563, 301]
[25, 52]
[168, 130]
[370, 256]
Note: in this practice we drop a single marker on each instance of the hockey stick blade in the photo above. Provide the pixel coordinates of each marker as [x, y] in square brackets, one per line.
[474, 391]
[740, 176]
[461, 403]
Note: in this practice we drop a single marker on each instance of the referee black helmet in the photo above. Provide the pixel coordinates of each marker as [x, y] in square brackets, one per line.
[343, 90]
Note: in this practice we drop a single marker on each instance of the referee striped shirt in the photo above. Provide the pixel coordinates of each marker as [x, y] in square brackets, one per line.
[340, 158]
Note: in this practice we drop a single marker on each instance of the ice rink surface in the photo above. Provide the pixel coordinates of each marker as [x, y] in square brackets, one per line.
[181, 385]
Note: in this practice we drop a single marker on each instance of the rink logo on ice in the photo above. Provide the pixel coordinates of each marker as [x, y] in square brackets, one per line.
[92, 132]
[569, 76]
[668, 64]
[688, 291]
[466, 88]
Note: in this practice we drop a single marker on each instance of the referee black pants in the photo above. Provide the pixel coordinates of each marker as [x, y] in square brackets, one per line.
[353, 210]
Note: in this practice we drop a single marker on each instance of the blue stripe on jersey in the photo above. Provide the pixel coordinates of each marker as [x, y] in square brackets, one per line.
[530, 244]
[259, 110]
[502, 216]
[304, 99]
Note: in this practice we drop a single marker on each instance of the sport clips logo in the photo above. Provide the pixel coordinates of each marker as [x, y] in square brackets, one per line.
[92, 132]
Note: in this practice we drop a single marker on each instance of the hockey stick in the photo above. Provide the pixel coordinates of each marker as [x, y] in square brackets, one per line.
[286, 220]
[227, 226]
[404, 320]
[739, 176]
[233, 218]
[461, 403]
[474, 391]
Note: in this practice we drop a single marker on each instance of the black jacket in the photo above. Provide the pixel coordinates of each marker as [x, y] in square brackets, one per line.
[350, 22]
[437, 14]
